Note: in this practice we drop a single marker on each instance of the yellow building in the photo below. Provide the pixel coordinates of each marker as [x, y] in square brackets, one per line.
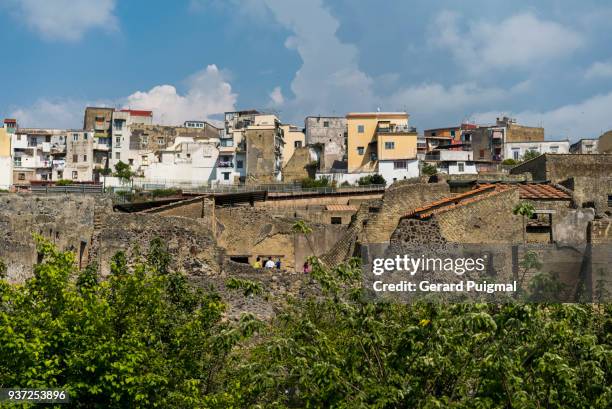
[294, 138]
[376, 137]
[6, 161]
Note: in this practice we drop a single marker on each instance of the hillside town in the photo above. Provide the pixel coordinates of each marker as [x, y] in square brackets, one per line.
[252, 147]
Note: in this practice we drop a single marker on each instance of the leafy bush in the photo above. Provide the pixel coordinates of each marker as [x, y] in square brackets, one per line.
[509, 162]
[375, 179]
[429, 169]
[64, 182]
[530, 155]
[312, 183]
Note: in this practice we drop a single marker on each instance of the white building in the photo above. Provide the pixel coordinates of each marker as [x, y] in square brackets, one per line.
[452, 162]
[34, 151]
[585, 146]
[121, 122]
[187, 161]
[517, 150]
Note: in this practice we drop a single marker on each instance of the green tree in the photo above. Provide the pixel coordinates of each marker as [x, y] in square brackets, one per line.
[123, 172]
[530, 154]
[429, 169]
[525, 210]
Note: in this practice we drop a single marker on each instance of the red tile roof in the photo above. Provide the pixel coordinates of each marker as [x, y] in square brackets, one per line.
[455, 201]
[538, 191]
[340, 208]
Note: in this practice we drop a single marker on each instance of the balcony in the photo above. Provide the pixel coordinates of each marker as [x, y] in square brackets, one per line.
[225, 164]
[395, 129]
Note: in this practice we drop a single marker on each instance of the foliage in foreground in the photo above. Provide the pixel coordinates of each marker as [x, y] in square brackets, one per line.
[145, 338]
[141, 338]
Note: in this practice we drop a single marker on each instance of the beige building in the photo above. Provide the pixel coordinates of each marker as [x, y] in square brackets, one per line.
[86, 155]
[376, 137]
[294, 138]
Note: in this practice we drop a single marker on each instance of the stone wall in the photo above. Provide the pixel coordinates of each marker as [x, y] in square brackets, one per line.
[190, 241]
[397, 201]
[196, 208]
[66, 220]
[155, 137]
[251, 232]
[260, 155]
[591, 191]
[520, 133]
[560, 167]
[331, 137]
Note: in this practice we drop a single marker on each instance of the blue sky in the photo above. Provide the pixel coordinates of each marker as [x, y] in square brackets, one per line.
[546, 63]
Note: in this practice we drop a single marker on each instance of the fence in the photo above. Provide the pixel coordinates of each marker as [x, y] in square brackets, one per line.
[84, 189]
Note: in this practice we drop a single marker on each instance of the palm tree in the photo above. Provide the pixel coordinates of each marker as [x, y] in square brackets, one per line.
[524, 209]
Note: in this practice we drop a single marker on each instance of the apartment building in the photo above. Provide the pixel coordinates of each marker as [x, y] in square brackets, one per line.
[233, 144]
[87, 154]
[186, 160]
[264, 149]
[488, 142]
[38, 154]
[517, 150]
[6, 156]
[382, 142]
[122, 122]
[294, 138]
[585, 146]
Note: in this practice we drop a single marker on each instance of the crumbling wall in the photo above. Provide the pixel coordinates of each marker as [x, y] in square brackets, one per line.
[190, 241]
[331, 138]
[591, 191]
[251, 232]
[260, 155]
[397, 201]
[66, 220]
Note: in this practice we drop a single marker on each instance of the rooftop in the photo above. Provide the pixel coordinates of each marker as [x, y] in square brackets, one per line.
[340, 208]
[536, 191]
[136, 112]
[377, 114]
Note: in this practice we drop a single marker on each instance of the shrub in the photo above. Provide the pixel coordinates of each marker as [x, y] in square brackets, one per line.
[509, 162]
[311, 183]
[375, 179]
[165, 192]
[429, 169]
[63, 182]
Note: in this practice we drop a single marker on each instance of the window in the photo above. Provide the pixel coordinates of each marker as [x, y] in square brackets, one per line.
[461, 167]
[44, 176]
[481, 154]
[297, 144]
[399, 164]
[84, 158]
[160, 141]
[21, 176]
[554, 149]
[609, 200]
[117, 155]
[433, 134]
[453, 133]
[75, 137]
[75, 158]
[226, 175]
[118, 140]
[85, 136]
[145, 139]
[516, 154]
[75, 175]
[60, 174]
[360, 150]
[389, 145]
[325, 124]
[360, 128]
[373, 156]
[131, 161]
[188, 155]
[238, 164]
[336, 220]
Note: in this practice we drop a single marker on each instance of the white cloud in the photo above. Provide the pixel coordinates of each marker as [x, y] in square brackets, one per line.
[276, 96]
[208, 93]
[599, 70]
[46, 113]
[588, 118]
[65, 20]
[519, 41]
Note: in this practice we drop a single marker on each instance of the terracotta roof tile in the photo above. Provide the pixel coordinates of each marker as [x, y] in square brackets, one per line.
[538, 191]
[340, 208]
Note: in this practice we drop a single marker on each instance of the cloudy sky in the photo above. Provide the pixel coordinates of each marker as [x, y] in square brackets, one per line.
[546, 63]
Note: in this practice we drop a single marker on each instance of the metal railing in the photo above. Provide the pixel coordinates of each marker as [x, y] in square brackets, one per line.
[84, 188]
